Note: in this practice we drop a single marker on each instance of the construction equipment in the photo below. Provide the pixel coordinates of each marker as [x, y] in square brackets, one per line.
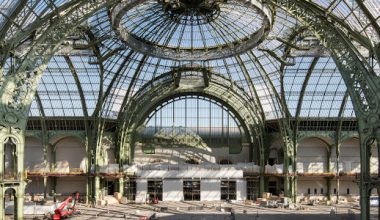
[67, 208]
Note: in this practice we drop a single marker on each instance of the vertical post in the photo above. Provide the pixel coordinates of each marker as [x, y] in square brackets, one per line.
[337, 175]
[328, 182]
[262, 185]
[87, 189]
[364, 176]
[378, 167]
[337, 152]
[2, 208]
[328, 179]
[262, 165]
[45, 186]
[20, 177]
[96, 195]
[20, 202]
[287, 189]
[295, 179]
[290, 167]
[45, 147]
[53, 158]
[121, 186]
[53, 185]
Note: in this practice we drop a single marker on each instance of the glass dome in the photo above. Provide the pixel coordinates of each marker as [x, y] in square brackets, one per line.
[192, 30]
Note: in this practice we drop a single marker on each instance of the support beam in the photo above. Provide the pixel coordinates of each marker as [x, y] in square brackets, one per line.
[363, 85]
[365, 177]
[338, 140]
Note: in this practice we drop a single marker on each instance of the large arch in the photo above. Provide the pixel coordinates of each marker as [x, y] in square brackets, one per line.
[201, 130]
[167, 87]
[69, 154]
[313, 162]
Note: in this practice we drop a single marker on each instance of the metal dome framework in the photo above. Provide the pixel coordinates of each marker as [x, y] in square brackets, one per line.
[149, 29]
[311, 59]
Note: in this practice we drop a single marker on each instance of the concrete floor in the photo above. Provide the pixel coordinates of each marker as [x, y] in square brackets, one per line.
[212, 211]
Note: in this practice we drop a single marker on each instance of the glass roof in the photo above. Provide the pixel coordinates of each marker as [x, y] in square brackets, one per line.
[352, 13]
[153, 24]
[193, 34]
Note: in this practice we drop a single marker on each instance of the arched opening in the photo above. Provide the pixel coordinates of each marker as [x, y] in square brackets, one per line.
[10, 159]
[312, 166]
[34, 162]
[10, 203]
[273, 157]
[349, 169]
[199, 124]
[69, 153]
[274, 165]
[349, 154]
[312, 156]
[36, 167]
[191, 126]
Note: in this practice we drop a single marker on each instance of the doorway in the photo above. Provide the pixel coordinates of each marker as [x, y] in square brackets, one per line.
[110, 187]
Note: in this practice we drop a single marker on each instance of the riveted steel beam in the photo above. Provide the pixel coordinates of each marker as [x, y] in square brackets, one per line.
[19, 88]
[362, 84]
[256, 100]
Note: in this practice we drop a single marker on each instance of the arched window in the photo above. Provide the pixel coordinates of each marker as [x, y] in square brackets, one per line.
[9, 198]
[193, 121]
[10, 160]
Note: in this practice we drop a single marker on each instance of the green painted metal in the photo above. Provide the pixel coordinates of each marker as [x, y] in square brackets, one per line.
[79, 86]
[18, 88]
[252, 89]
[147, 99]
[362, 85]
[10, 20]
[19, 181]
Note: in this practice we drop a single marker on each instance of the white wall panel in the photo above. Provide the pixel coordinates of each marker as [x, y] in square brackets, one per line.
[68, 185]
[141, 190]
[172, 190]
[312, 183]
[34, 156]
[241, 189]
[313, 154]
[210, 189]
[191, 173]
[72, 150]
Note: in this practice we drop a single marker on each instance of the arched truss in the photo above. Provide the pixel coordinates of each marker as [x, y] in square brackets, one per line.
[18, 87]
[169, 86]
[349, 61]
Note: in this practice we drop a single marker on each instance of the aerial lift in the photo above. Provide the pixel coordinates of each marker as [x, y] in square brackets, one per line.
[67, 208]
